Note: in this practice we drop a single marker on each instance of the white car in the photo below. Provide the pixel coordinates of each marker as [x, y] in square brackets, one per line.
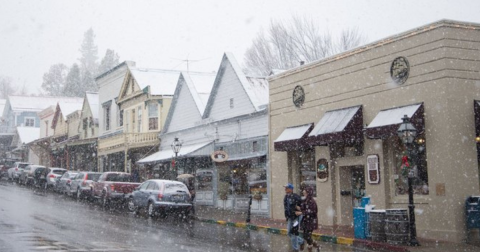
[16, 170]
[54, 173]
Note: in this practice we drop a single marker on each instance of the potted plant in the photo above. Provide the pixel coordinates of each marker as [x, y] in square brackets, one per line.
[257, 195]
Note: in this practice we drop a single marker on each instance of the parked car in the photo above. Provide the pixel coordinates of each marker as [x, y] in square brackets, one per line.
[15, 171]
[63, 184]
[81, 186]
[26, 177]
[6, 164]
[39, 177]
[161, 197]
[52, 174]
[113, 188]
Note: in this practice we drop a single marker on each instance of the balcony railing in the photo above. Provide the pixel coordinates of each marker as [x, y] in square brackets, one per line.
[132, 140]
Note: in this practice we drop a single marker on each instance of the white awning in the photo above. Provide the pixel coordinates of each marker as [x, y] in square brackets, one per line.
[334, 121]
[293, 133]
[393, 116]
[167, 154]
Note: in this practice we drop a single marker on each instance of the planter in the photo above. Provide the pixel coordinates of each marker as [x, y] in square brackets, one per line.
[257, 197]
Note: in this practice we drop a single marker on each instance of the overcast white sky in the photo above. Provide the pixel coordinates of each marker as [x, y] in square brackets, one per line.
[36, 34]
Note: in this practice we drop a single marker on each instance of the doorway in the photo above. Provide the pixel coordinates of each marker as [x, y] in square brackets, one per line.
[352, 189]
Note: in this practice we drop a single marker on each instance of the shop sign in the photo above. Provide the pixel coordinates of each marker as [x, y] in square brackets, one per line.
[373, 169]
[322, 170]
[219, 156]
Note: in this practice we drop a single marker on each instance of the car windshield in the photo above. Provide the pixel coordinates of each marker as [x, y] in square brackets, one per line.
[72, 175]
[119, 177]
[59, 172]
[93, 176]
[175, 187]
[22, 165]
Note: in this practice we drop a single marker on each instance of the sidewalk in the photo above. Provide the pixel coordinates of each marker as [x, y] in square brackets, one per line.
[338, 235]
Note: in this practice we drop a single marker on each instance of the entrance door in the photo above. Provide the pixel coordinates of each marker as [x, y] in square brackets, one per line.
[352, 189]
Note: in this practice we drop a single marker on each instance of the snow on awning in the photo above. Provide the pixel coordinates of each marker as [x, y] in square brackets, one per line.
[186, 150]
[387, 121]
[293, 138]
[341, 125]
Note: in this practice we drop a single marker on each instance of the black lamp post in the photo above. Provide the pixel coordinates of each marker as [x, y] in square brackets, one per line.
[176, 146]
[407, 133]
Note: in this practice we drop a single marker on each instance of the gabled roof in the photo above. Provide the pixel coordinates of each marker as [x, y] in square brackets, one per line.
[36, 103]
[28, 134]
[199, 86]
[93, 101]
[256, 88]
[66, 108]
[161, 82]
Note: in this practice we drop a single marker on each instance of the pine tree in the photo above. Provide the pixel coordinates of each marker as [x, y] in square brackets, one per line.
[89, 51]
[110, 60]
[73, 84]
[54, 80]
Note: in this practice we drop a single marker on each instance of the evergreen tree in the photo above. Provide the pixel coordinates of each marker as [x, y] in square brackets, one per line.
[110, 60]
[89, 51]
[6, 87]
[73, 83]
[54, 80]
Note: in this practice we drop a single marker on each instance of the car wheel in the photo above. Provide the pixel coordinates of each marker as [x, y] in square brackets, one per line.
[105, 201]
[79, 194]
[151, 210]
[131, 206]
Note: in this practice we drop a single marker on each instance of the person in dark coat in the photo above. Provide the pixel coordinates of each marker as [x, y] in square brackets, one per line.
[308, 209]
[290, 203]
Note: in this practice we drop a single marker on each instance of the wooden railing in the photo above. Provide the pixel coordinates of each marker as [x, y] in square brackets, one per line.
[132, 139]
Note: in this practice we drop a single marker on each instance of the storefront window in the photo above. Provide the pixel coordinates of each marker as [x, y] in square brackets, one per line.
[417, 161]
[204, 180]
[308, 174]
[257, 177]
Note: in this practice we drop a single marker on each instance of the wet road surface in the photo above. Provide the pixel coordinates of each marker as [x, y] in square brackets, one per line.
[31, 221]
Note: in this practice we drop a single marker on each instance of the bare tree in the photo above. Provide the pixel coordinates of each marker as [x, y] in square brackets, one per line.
[285, 45]
[6, 87]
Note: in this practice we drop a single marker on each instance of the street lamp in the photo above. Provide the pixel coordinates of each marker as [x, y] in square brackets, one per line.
[176, 146]
[407, 133]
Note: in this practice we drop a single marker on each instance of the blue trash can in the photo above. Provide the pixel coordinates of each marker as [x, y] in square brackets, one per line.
[359, 222]
[472, 212]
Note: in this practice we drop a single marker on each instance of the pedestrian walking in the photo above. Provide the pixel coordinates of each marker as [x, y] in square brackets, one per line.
[290, 203]
[308, 209]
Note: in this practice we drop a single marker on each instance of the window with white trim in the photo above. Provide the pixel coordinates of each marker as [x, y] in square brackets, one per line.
[152, 116]
[139, 119]
[29, 121]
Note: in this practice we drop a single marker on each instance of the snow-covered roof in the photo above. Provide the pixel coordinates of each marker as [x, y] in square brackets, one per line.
[93, 102]
[68, 107]
[28, 134]
[36, 103]
[168, 153]
[161, 82]
[256, 87]
[200, 85]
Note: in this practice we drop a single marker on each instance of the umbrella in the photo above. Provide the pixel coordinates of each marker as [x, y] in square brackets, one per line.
[183, 176]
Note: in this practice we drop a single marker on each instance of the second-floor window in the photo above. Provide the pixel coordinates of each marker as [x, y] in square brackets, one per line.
[152, 116]
[107, 117]
[139, 119]
[29, 122]
[120, 118]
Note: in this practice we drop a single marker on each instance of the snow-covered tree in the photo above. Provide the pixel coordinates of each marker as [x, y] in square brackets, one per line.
[89, 52]
[88, 83]
[110, 60]
[73, 83]
[284, 46]
[54, 80]
[6, 87]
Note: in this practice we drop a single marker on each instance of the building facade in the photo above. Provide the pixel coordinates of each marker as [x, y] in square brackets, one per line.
[333, 126]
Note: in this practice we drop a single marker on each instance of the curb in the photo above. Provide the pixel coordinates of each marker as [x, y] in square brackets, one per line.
[316, 236]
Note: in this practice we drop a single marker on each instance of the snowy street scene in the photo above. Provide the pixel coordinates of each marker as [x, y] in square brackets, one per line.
[240, 125]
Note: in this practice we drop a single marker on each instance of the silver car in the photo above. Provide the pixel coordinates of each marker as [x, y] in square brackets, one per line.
[26, 177]
[63, 184]
[16, 170]
[81, 186]
[52, 174]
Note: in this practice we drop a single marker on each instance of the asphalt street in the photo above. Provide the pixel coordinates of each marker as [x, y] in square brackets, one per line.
[32, 221]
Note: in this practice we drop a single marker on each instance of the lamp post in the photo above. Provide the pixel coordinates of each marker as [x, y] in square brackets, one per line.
[407, 133]
[176, 146]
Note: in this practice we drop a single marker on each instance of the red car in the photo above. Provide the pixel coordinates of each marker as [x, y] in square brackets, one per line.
[113, 188]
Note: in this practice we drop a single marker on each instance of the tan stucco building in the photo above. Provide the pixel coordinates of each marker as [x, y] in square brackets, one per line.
[352, 106]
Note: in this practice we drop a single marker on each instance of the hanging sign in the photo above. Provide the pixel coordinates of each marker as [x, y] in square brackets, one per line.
[219, 156]
[373, 169]
[322, 170]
